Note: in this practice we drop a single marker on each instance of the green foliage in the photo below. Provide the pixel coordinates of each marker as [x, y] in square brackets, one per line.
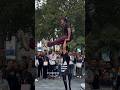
[47, 18]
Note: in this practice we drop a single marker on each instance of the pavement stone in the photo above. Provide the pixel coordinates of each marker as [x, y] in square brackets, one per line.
[57, 84]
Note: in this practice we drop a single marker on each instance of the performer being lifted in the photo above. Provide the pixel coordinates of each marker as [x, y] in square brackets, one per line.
[63, 40]
[67, 36]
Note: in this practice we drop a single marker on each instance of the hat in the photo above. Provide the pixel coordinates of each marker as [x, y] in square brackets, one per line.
[39, 49]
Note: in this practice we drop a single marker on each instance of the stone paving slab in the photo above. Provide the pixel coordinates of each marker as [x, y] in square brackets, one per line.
[57, 84]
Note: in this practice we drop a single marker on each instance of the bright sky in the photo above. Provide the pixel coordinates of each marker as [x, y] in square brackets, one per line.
[39, 3]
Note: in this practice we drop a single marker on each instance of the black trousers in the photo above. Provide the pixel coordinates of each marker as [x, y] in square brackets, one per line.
[40, 73]
[117, 86]
[67, 73]
[67, 82]
[45, 69]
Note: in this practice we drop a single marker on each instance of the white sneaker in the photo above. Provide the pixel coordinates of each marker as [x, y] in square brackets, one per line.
[36, 80]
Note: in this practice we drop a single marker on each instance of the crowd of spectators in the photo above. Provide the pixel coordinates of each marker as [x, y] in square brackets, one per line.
[49, 64]
[16, 76]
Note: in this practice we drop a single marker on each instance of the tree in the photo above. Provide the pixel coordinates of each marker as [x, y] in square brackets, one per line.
[47, 18]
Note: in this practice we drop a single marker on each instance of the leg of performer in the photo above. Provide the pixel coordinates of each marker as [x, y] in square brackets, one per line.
[69, 79]
[57, 42]
[65, 81]
[64, 47]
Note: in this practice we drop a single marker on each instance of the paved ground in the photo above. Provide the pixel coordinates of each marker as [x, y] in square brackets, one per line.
[57, 84]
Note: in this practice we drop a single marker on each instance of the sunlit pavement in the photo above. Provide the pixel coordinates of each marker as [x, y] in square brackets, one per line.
[57, 84]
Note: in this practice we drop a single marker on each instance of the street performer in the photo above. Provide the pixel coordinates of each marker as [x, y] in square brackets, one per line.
[66, 26]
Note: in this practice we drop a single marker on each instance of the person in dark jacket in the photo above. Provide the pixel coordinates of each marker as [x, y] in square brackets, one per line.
[96, 83]
[40, 66]
[11, 76]
[45, 65]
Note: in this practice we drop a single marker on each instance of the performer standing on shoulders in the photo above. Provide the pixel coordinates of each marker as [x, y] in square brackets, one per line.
[65, 69]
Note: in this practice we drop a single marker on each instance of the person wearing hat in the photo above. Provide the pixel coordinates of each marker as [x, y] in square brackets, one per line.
[40, 66]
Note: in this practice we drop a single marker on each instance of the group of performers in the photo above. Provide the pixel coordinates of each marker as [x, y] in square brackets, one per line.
[63, 40]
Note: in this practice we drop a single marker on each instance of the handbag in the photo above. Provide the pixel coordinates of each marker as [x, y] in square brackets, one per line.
[70, 63]
[78, 65]
[45, 63]
[52, 62]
